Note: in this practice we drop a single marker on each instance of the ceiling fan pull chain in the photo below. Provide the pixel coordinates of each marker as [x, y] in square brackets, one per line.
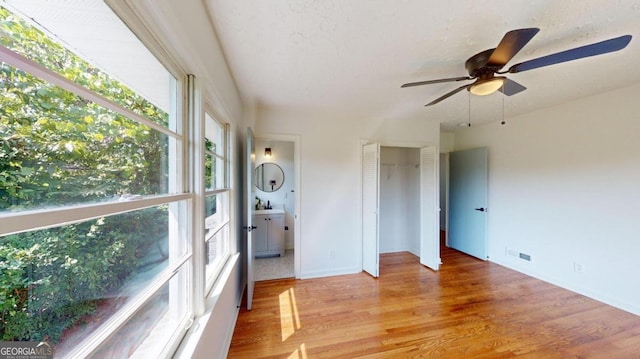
[503, 121]
[469, 121]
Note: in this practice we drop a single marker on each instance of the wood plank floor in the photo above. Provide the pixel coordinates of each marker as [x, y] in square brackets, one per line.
[469, 309]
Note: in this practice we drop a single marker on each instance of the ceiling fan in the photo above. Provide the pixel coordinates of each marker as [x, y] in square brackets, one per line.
[484, 66]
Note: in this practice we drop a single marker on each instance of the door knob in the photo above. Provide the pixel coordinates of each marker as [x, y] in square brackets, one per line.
[249, 228]
[481, 209]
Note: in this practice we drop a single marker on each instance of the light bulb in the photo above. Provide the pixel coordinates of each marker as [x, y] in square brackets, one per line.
[487, 87]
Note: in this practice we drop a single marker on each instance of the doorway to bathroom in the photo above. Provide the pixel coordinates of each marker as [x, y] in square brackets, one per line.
[276, 176]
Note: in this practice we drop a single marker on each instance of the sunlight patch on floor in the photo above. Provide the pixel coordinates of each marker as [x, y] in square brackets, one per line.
[299, 353]
[289, 319]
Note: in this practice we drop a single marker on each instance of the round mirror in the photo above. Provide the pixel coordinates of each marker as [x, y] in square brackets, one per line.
[269, 177]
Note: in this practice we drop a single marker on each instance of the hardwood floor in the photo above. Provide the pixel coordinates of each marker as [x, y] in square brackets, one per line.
[469, 309]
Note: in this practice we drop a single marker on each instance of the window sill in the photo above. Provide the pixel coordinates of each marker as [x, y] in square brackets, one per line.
[222, 293]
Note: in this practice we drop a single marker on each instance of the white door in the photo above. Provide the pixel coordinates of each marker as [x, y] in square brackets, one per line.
[429, 208]
[249, 204]
[370, 203]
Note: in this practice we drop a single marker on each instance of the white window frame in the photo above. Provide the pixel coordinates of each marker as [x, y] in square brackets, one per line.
[17, 222]
[213, 273]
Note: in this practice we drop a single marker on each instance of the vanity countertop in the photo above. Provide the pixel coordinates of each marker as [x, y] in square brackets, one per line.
[269, 211]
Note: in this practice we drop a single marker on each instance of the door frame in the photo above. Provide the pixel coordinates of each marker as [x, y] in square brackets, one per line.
[297, 240]
[370, 238]
[430, 254]
[486, 204]
[248, 191]
[386, 143]
[445, 181]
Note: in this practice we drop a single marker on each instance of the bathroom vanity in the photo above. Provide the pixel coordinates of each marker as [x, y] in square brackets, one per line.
[268, 237]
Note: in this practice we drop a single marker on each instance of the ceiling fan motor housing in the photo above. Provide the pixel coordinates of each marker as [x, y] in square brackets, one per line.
[476, 65]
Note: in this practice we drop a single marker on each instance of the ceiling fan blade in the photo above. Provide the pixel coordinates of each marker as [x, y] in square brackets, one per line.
[598, 48]
[510, 87]
[447, 95]
[420, 83]
[512, 42]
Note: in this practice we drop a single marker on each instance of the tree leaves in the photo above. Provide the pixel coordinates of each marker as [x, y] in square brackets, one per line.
[57, 149]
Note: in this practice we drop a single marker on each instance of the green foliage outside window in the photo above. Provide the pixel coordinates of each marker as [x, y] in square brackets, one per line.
[59, 149]
[32, 43]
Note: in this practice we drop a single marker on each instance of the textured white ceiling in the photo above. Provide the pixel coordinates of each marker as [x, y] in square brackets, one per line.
[351, 56]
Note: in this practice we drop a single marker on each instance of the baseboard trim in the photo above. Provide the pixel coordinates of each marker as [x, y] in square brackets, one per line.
[330, 273]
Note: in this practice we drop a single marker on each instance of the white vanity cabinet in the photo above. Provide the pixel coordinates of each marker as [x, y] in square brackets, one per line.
[268, 237]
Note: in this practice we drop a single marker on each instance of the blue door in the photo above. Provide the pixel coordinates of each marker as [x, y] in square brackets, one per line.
[468, 201]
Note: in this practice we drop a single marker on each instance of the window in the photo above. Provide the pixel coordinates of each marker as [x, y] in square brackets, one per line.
[216, 197]
[61, 149]
[94, 216]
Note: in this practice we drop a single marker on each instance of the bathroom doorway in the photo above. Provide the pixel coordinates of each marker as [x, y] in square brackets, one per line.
[277, 175]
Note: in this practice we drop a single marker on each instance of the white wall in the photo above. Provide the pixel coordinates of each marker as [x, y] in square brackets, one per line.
[447, 142]
[330, 213]
[444, 189]
[399, 200]
[563, 187]
[282, 155]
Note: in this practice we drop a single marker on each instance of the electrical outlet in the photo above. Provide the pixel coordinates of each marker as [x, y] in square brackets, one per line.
[511, 252]
[578, 267]
[516, 254]
[332, 254]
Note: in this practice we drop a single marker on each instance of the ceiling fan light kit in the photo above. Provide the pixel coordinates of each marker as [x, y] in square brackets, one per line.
[487, 87]
[484, 66]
